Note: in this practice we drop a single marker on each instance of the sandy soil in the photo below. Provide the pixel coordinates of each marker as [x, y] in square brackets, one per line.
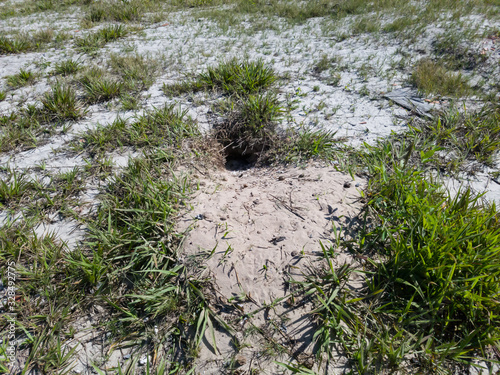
[263, 228]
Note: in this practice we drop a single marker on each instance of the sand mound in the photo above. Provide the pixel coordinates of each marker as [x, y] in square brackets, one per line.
[263, 227]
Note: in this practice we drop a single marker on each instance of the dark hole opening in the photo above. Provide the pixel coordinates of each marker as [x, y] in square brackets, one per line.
[239, 161]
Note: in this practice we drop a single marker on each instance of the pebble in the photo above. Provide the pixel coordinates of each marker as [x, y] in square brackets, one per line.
[347, 185]
[240, 360]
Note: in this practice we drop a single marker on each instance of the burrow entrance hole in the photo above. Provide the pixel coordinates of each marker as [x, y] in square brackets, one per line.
[236, 160]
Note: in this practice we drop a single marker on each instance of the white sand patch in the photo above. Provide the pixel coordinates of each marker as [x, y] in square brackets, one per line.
[264, 226]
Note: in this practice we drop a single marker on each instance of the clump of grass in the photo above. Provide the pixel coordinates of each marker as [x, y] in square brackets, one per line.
[307, 144]
[237, 77]
[400, 24]
[23, 78]
[136, 71]
[14, 187]
[43, 36]
[39, 261]
[365, 25]
[116, 11]
[325, 63]
[99, 88]
[14, 45]
[61, 104]
[473, 135]
[161, 126]
[97, 39]
[233, 76]
[3, 95]
[24, 128]
[432, 272]
[250, 127]
[432, 78]
[18, 130]
[66, 67]
[129, 102]
[25, 42]
[442, 266]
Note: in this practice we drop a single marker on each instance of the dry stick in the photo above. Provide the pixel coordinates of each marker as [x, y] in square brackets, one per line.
[287, 207]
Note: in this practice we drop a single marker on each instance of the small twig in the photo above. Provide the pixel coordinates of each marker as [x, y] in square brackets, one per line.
[287, 207]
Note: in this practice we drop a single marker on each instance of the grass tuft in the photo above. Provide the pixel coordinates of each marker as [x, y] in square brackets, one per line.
[233, 76]
[432, 78]
[237, 77]
[441, 270]
[98, 39]
[157, 127]
[23, 78]
[60, 104]
[15, 45]
[67, 67]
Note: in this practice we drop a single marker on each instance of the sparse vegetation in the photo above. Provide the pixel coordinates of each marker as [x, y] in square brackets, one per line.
[426, 261]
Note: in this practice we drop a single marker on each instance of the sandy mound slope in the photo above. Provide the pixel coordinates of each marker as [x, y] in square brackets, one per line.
[264, 227]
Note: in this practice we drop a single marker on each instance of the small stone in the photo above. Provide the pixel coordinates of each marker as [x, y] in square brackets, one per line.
[143, 361]
[295, 253]
[347, 185]
[126, 356]
[358, 184]
[223, 218]
[301, 175]
[281, 178]
[240, 360]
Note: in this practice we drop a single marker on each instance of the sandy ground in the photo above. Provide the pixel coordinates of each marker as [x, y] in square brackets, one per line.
[263, 228]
